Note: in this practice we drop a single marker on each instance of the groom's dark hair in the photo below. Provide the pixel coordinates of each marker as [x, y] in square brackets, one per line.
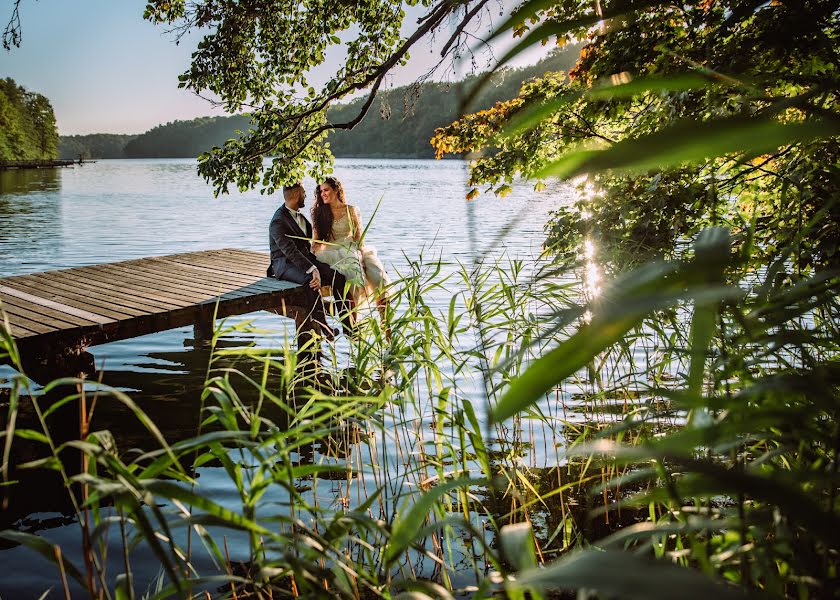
[291, 188]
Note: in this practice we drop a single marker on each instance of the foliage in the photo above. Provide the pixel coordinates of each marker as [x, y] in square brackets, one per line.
[715, 455]
[27, 124]
[408, 116]
[672, 434]
[257, 58]
[93, 145]
[677, 87]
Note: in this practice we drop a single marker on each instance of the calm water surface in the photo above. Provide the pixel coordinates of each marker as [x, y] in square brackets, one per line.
[118, 210]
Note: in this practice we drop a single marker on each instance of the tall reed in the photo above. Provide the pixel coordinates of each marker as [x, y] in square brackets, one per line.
[511, 435]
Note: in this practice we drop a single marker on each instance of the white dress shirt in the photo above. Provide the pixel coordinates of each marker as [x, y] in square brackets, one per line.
[301, 221]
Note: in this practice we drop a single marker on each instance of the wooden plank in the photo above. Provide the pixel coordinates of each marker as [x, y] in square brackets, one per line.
[186, 278]
[19, 327]
[15, 318]
[212, 267]
[96, 302]
[172, 273]
[51, 324]
[47, 313]
[138, 281]
[17, 331]
[239, 252]
[58, 306]
[132, 296]
[117, 296]
[251, 259]
[137, 278]
[230, 260]
[183, 284]
[197, 276]
[208, 268]
[87, 303]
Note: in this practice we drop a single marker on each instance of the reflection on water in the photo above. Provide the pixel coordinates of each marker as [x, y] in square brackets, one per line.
[28, 182]
[30, 207]
[118, 210]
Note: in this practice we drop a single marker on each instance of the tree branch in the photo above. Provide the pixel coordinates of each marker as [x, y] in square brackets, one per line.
[462, 25]
[12, 35]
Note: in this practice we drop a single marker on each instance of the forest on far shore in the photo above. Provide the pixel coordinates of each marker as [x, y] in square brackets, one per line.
[399, 125]
[27, 124]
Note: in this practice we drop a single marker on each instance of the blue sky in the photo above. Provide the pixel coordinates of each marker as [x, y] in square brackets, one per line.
[106, 70]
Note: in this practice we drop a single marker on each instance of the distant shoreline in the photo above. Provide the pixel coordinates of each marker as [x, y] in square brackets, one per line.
[371, 156]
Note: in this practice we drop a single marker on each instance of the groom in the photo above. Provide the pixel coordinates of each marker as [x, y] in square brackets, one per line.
[292, 260]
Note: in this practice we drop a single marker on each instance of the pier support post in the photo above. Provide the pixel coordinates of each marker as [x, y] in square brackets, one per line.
[308, 348]
[47, 364]
[203, 330]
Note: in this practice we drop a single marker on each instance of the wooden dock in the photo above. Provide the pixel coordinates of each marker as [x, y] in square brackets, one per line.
[63, 312]
[36, 164]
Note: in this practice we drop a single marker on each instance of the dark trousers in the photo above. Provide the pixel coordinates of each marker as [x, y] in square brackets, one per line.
[331, 277]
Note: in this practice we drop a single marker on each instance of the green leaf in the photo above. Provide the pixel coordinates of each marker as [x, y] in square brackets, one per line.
[31, 434]
[548, 30]
[689, 142]
[708, 251]
[224, 515]
[621, 308]
[45, 549]
[409, 522]
[518, 546]
[645, 85]
[623, 575]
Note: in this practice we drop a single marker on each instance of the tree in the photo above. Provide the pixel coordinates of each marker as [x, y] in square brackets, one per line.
[27, 124]
[256, 57]
[682, 116]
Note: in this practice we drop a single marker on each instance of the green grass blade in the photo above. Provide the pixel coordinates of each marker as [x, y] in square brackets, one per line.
[45, 549]
[689, 142]
[624, 575]
[409, 522]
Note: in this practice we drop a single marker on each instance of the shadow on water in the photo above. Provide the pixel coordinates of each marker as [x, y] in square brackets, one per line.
[171, 398]
[23, 182]
[170, 395]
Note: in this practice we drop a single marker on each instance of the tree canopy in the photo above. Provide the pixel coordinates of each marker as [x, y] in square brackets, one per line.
[256, 57]
[681, 116]
[185, 139]
[27, 124]
[407, 116]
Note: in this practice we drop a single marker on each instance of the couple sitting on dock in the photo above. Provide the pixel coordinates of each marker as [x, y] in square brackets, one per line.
[332, 252]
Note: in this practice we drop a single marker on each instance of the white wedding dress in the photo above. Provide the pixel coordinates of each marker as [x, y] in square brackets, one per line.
[358, 263]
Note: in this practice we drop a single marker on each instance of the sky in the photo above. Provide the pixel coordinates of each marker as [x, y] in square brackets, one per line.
[106, 70]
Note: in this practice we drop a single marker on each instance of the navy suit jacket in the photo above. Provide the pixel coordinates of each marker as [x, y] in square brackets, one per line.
[286, 250]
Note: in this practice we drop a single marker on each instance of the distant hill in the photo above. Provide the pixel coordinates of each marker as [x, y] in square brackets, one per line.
[94, 145]
[403, 120]
[184, 139]
[399, 125]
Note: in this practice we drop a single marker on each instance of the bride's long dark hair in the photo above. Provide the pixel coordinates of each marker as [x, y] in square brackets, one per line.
[322, 215]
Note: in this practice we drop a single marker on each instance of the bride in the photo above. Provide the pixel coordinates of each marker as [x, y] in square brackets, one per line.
[337, 241]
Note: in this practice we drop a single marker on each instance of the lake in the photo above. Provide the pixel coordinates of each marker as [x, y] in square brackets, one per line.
[116, 210]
